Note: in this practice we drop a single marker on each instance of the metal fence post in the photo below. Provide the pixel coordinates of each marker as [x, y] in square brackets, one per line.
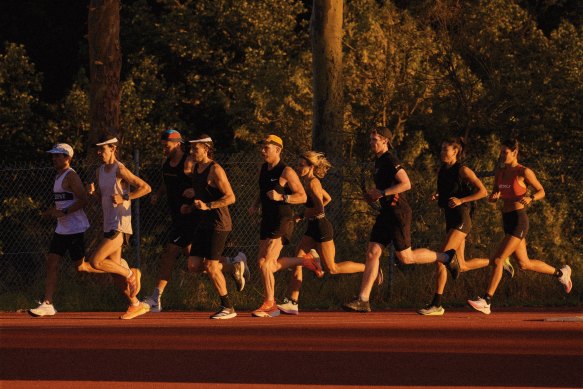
[137, 239]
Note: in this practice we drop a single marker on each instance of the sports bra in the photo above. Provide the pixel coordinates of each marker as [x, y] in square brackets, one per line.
[509, 187]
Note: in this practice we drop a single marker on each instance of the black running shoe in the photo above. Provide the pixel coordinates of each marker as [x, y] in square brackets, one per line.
[357, 305]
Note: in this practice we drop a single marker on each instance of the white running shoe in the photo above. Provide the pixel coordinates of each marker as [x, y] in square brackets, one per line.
[224, 313]
[45, 309]
[481, 305]
[154, 303]
[241, 257]
[431, 310]
[289, 307]
[565, 279]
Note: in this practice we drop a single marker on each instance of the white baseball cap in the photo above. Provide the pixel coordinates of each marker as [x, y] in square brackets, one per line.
[62, 148]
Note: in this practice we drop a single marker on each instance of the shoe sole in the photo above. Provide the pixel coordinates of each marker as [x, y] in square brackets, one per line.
[37, 315]
[439, 313]
[485, 311]
[139, 313]
[289, 311]
[349, 309]
[225, 317]
[265, 314]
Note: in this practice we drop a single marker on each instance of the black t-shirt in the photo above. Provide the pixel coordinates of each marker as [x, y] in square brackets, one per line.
[386, 168]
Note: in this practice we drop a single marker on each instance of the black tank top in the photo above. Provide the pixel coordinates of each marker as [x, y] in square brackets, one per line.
[217, 218]
[386, 168]
[269, 180]
[450, 184]
[176, 182]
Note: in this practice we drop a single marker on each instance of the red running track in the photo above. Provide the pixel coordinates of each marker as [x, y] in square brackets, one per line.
[314, 349]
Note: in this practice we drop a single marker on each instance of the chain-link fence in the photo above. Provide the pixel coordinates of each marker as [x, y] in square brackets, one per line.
[25, 237]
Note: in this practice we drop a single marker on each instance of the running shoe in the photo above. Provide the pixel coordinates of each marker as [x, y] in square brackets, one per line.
[44, 309]
[135, 311]
[565, 279]
[380, 277]
[453, 264]
[238, 271]
[133, 282]
[508, 268]
[311, 261]
[357, 305]
[289, 307]
[481, 305]
[224, 313]
[431, 310]
[241, 257]
[268, 309]
[154, 303]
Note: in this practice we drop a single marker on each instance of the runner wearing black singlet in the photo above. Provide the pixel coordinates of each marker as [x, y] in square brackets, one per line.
[457, 187]
[279, 186]
[212, 196]
[393, 224]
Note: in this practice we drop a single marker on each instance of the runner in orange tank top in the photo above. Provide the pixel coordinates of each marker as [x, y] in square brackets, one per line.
[511, 185]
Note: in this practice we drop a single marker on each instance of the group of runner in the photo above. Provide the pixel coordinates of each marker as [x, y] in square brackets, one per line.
[198, 193]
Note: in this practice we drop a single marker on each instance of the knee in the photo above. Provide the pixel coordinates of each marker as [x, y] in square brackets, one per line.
[96, 262]
[211, 267]
[524, 265]
[407, 260]
[333, 269]
[265, 265]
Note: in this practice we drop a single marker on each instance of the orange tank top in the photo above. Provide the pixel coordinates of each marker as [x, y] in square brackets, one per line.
[509, 187]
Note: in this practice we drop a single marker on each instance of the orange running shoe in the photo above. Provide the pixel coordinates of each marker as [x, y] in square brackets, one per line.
[268, 309]
[135, 311]
[311, 261]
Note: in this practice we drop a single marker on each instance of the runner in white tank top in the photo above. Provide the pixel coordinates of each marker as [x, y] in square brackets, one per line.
[69, 200]
[114, 182]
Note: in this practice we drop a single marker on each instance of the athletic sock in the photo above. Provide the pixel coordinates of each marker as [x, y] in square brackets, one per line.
[436, 302]
[226, 301]
[558, 273]
[291, 300]
[488, 298]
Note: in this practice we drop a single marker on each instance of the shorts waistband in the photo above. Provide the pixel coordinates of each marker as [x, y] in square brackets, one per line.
[318, 216]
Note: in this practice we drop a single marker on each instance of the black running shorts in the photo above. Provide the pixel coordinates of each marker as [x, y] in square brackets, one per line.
[393, 226]
[273, 228]
[208, 243]
[74, 243]
[320, 230]
[458, 218]
[516, 223]
[180, 236]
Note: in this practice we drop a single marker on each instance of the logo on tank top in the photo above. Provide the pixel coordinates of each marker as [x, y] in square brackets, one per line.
[63, 196]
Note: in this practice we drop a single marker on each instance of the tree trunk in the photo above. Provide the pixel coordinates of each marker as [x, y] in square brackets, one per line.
[328, 105]
[104, 68]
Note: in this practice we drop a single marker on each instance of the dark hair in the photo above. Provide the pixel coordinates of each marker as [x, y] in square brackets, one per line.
[209, 145]
[458, 144]
[385, 132]
[511, 143]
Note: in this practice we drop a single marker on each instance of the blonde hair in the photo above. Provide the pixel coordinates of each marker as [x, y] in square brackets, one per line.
[318, 161]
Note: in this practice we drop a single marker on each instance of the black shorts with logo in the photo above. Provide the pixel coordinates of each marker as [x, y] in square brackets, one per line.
[208, 243]
[320, 230]
[74, 243]
[111, 235]
[394, 226]
[180, 235]
[515, 223]
[277, 227]
[458, 218]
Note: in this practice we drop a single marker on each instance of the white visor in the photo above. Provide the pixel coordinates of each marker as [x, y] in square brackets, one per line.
[107, 142]
[203, 140]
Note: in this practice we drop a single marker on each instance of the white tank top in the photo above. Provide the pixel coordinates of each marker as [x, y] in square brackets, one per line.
[115, 217]
[73, 222]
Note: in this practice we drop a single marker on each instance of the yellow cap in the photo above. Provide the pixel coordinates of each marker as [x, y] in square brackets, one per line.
[274, 140]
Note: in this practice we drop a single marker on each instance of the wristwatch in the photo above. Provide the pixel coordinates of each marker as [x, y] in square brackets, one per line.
[208, 205]
[125, 196]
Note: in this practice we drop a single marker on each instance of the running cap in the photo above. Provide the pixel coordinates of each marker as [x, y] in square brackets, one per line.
[171, 135]
[272, 140]
[206, 139]
[385, 133]
[107, 140]
[62, 148]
